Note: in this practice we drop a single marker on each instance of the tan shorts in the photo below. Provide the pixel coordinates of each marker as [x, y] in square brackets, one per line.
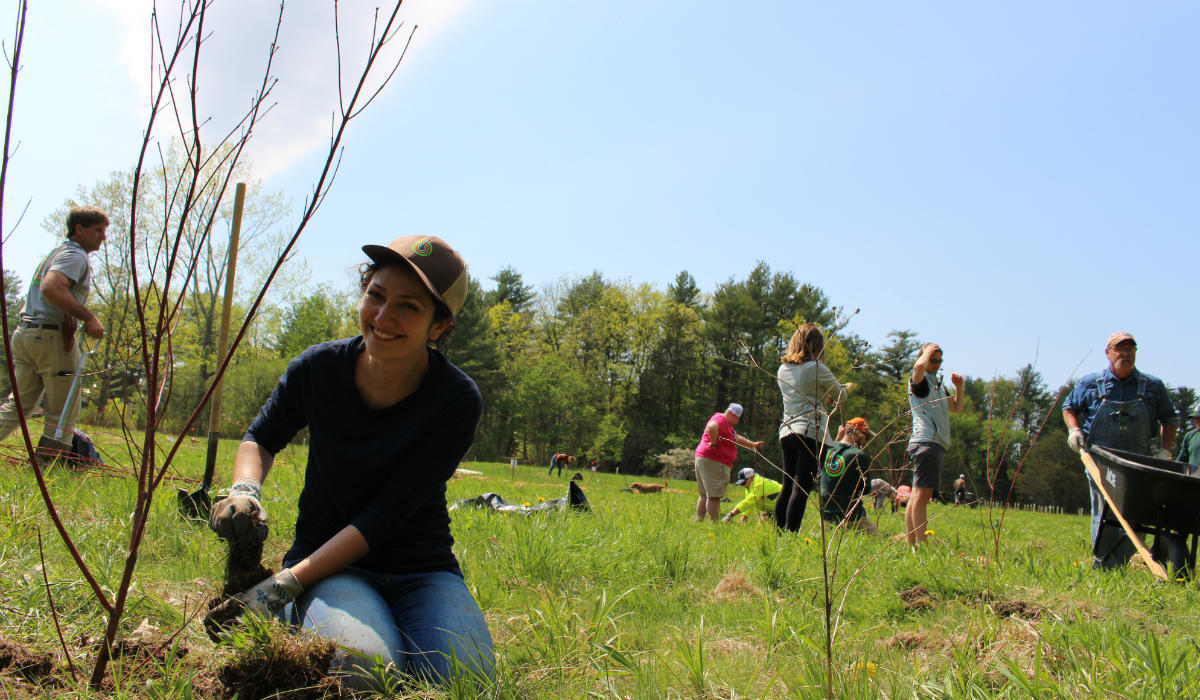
[712, 477]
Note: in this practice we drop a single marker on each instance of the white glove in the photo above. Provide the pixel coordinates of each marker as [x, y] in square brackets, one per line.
[1163, 453]
[1075, 440]
[240, 514]
[269, 596]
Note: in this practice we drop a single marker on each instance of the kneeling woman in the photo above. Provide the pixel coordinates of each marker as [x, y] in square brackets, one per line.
[389, 419]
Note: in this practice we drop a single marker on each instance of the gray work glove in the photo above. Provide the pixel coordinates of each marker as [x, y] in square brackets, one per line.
[240, 515]
[1075, 440]
[271, 594]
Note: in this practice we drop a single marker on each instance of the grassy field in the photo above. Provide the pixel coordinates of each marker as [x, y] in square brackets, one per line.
[636, 600]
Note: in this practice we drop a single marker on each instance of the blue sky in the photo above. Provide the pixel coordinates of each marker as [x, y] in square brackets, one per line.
[1014, 180]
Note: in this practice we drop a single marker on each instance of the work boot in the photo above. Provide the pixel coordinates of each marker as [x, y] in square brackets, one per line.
[48, 450]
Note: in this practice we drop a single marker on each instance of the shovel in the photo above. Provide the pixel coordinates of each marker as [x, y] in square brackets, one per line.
[198, 503]
[60, 443]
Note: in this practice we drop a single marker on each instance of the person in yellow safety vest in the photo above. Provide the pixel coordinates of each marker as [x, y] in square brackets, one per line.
[761, 493]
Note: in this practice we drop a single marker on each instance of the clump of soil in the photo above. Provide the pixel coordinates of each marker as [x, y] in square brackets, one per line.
[22, 661]
[243, 564]
[243, 569]
[1018, 608]
[917, 598]
[287, 666]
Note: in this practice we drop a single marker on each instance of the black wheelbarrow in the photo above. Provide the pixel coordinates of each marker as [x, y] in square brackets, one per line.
[1157, 496]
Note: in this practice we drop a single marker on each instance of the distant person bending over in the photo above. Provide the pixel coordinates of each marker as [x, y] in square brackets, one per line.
[844, 478]
[960, 489]
[931, 404]
[714, 459]
[761, 493]
[560, 460]
[809, 389]
[881, 492]
[1125, 409]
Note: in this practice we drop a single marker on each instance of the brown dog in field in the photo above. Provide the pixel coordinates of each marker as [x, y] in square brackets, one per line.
[647, 488]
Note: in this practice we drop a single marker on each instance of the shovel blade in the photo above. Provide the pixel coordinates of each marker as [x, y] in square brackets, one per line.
[194, 505]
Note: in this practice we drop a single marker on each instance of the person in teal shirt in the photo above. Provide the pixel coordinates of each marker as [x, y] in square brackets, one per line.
[761, 493]
[844, 478]
[1189, 453]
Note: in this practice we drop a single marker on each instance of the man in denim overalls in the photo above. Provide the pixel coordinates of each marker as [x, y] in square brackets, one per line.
[1124, 409]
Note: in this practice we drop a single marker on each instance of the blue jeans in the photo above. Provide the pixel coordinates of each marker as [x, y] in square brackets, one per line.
[425, 624]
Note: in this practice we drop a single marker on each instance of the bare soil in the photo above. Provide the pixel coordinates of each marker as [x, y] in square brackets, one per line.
[917, 598]
[21, 661]
[1019, 608]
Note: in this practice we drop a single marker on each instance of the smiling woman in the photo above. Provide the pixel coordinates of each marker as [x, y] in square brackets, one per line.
[390, 418]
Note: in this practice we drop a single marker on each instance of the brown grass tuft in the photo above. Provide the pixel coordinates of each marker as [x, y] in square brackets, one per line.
[734, 586]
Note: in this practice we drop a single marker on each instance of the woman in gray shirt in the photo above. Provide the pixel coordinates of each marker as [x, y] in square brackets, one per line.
[809, 389]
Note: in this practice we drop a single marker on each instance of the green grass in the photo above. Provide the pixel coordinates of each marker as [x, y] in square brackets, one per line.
[636, 600]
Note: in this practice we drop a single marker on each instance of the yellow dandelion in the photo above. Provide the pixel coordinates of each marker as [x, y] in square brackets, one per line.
[541, 500]
[711, 534]
[526, 504]
[808, 540]
[929, 532]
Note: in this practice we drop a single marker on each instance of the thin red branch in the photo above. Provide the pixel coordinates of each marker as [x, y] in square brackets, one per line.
[54, 609]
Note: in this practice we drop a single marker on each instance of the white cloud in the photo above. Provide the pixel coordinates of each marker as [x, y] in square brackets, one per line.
[233, 61]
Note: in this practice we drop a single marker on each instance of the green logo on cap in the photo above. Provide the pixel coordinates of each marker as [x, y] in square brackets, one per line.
[423, 247]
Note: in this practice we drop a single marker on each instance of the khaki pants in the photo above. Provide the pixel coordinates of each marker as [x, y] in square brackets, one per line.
[38, 357]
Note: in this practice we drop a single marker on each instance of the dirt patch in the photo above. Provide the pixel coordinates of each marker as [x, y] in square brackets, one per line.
[917, 598]
[23, 662]
[1019, 608]
[734, 586]
[287, 666]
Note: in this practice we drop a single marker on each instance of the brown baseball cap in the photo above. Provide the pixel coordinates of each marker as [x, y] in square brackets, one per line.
[1119, 337]
[438, 265]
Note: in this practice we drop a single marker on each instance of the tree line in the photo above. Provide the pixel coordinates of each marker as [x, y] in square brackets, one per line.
[605, 369]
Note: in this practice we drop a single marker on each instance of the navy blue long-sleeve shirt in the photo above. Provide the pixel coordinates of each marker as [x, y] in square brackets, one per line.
[383, 471]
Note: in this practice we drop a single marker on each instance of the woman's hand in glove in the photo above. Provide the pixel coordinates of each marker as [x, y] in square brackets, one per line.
[272, 594]
[240, 515]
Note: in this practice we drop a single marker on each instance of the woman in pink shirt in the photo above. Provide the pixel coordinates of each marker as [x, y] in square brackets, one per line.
[714, 459]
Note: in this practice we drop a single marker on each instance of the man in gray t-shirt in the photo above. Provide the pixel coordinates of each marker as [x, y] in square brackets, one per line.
[44, 353]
